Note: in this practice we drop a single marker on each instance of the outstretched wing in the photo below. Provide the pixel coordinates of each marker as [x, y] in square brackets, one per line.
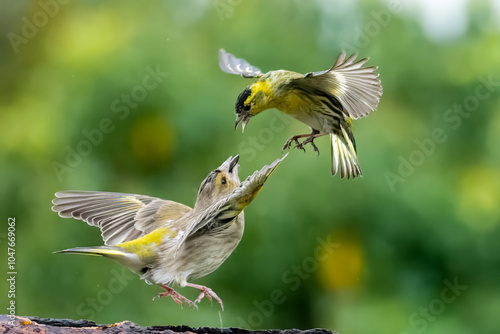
[230, 64]
[224, 211]
[120, 217]
[356, 87]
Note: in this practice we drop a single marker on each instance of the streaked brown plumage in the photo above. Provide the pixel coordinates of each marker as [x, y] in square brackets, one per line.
[167, 242]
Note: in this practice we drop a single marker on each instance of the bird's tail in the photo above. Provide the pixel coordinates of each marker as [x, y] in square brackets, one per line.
[116, 253]
[106, 251]
[344, 156]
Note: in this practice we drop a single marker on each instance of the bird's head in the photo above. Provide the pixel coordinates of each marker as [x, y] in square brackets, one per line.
[253, 100]
[219, 183]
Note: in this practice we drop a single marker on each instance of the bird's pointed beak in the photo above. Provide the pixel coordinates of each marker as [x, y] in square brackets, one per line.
[233, 163]
[243, 120]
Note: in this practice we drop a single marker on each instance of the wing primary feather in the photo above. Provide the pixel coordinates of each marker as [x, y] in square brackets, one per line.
[357, 88]
[230, 64]
[120, 217]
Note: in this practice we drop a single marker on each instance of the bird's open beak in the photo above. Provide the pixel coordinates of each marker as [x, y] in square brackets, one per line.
[243, 119]
[233, 163]
[230, 165]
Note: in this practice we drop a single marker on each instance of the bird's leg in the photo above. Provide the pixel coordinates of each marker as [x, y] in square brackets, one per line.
[295, 139]
[177, 297]
[310, 140]
[204, 291]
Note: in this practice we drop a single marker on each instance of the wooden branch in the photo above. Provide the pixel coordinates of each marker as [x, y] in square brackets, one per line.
[18, 324]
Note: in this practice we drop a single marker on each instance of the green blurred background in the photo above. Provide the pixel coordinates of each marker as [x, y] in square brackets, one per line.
[425, 216]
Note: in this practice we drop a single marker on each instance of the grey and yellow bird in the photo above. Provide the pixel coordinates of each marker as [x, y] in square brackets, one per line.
[327, 101]
[166, 242]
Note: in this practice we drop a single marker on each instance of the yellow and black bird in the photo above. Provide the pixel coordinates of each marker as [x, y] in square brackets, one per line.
[163, 241]
[327, 101]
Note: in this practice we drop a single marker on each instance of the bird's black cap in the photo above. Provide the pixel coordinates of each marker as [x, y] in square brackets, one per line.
[241, 100]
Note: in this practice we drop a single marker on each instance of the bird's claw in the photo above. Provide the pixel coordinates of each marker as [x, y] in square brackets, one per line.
[289, 142]
[295, 139]
[309, 140]
[300, 146]
[207, 292]
[177, 297]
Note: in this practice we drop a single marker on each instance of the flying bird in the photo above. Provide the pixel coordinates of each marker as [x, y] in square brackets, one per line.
[327, 101]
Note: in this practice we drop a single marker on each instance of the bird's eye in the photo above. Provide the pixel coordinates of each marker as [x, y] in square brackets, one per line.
[223, 180]
[247, 107]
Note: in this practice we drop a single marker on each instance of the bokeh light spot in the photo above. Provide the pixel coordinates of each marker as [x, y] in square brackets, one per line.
[151, 140]
[344, 266]
[479, 196]
[86, 37]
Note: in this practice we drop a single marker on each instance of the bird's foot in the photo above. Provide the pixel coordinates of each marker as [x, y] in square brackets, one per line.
[206, 292]
[309, 140]
[289, 142]
[177, 297]
[295, 139]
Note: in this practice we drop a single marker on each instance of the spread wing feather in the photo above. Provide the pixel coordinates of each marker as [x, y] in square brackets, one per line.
[230, 64]
[357, 88]
[120, 217]
[230, 207]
